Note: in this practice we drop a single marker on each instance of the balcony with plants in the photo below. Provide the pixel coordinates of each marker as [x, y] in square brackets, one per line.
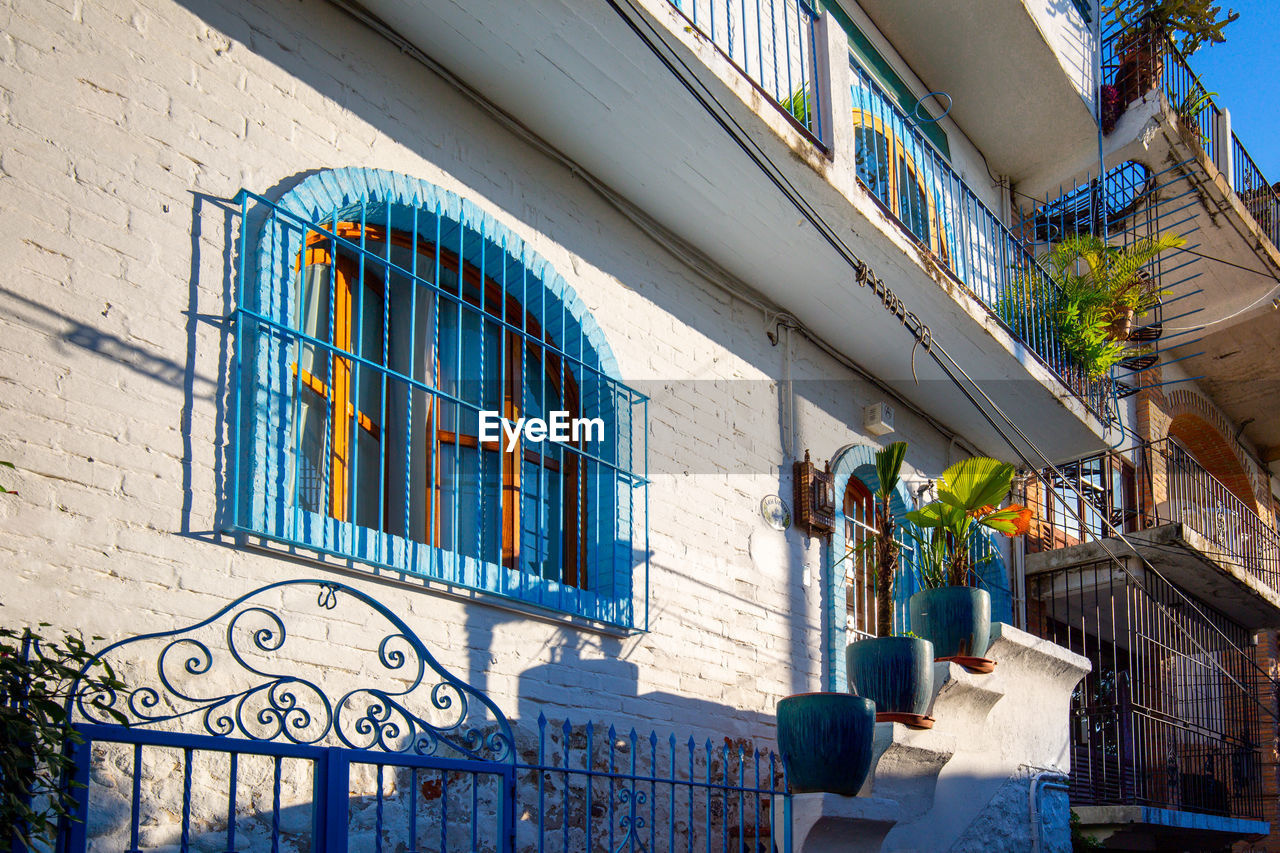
[1064, 321]
[1146, 46]
[749, 140]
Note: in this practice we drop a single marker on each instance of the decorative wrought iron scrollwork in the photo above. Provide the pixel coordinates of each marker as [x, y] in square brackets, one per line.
[427, 710]
[631, 822]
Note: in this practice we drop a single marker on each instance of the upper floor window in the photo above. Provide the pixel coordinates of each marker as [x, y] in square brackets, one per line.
[399, 358]
[896, 172]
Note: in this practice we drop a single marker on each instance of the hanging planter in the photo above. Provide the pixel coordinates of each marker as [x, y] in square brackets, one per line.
[1121, 325]
[826, 741]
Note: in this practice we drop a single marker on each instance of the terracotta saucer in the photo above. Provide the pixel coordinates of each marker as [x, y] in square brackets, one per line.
[981, 666]
[915, 721]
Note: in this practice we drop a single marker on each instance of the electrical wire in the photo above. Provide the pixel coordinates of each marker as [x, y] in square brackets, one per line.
[971, 390]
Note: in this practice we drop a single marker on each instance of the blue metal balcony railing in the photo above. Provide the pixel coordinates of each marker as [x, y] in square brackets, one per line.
[916, 185]
[773, 43]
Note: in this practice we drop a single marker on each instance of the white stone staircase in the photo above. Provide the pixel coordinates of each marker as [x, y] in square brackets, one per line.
[964, 784]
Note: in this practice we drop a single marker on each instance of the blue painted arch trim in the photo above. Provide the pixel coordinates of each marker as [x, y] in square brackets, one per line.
[334, 192]
[854, 460]
[275, 232]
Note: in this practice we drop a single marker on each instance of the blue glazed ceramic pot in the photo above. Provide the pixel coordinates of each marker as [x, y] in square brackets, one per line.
[825, 741]
[894, 672]
[956, 619]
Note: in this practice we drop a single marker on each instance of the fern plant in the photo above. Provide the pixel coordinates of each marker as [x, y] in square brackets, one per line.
[798, 104]
[1092, 293]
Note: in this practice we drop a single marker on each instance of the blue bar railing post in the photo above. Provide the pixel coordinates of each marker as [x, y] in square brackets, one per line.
[236, 321]
[332, 786]
[653, 788]
[566, 730]
[74, 825]
[591, 732]
[692, 776]
[542, 781]
[786, 814]
[508, 820]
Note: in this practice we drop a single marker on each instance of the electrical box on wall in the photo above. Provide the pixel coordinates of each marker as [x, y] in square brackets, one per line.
[815, 499]
[877, 419]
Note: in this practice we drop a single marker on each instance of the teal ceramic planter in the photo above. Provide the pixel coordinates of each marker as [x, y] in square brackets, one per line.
[956, 619]
[894, 672]
[825, 741]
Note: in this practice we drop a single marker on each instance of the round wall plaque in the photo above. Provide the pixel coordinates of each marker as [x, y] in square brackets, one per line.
[776, 512]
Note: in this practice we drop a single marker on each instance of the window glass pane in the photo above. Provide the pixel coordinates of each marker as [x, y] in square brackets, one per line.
[461, 362]
[542, 521]
[469, 504]
[913, 204]
[314, 319]
[311, 468]
[541, 385]
[872, 162]
[860, 599]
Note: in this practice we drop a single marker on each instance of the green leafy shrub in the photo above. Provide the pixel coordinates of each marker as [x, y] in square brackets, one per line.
[1190, 23]
[37, 678]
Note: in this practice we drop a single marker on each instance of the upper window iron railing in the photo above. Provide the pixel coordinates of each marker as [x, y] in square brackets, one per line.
[385, 352]
[773, 42]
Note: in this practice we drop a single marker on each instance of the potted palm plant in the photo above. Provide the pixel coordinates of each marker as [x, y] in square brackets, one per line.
[951, 611]
[895, 672]
[1147, 26]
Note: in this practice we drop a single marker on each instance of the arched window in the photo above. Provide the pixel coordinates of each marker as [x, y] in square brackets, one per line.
[889, 168]
[402, 357]
[860, 589]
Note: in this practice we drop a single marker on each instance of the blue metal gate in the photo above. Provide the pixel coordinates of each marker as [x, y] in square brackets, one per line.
[289, 766]
[239, 740]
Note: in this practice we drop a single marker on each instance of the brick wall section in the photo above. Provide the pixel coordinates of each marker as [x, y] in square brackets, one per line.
[1201, 426]
[1248, 481]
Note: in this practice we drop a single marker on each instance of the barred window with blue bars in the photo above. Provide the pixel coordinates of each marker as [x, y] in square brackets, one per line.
[380, 338]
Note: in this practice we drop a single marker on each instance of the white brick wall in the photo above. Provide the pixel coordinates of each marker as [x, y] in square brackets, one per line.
[124, 125]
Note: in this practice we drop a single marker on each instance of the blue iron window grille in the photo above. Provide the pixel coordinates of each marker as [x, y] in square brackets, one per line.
[378, 319]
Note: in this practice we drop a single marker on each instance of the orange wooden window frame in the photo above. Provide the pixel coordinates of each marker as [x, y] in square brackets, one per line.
[859, 506]
[317, 251]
